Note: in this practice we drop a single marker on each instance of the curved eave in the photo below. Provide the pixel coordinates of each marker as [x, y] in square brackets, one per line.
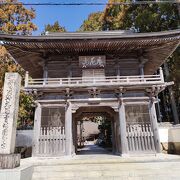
[89, 35]
[28, 50]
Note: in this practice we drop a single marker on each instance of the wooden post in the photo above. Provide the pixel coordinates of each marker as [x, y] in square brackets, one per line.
[75, 134]
[45, 72]
[80, 133]
[158, 110]
[45, 69]
[142, 70]
[68, 129]
[113, 136]
[37, 128]
[117, 133]
[26, 79]
[122, 129]
[161, 74]
[153, 119]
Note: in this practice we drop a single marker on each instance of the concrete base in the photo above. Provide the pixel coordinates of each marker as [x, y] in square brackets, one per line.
[107, 167]
[9, 161]
[20, 173]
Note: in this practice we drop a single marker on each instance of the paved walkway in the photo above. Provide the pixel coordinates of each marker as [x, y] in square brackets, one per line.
[91, 148]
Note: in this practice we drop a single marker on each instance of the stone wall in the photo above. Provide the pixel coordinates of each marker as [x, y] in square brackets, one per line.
[24, 139]
[170, 139]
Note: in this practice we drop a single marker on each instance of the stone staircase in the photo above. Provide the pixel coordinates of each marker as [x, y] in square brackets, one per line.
[107, 168]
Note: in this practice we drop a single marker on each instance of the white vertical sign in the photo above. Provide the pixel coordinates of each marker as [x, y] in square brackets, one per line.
[9, 112]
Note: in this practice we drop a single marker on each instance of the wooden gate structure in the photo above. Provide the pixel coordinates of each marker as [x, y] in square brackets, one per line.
[116, 69]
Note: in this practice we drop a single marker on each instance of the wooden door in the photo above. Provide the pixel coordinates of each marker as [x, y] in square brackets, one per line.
[140, 136]
[52, 132]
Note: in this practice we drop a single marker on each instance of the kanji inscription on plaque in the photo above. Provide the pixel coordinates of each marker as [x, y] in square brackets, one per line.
[92, 61]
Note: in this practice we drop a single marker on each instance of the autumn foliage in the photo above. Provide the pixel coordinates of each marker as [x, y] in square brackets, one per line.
[16, 19]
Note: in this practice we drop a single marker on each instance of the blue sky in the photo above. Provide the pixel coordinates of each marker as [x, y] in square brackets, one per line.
[69, 16]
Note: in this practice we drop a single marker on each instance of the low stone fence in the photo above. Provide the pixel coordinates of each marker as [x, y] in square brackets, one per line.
[24, 142]
[170, 138]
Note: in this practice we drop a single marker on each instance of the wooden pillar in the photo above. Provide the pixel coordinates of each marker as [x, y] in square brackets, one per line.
[37, 128]
[117, 133]
[123, 137]
[142, 70]
[154, 126]
[113, 136]
[74, 129]
[118, 68]
[45, 69]
[68, 129]
[161, 74]
[45, 72]
[75, 134]
[26, 79]
[159, 110]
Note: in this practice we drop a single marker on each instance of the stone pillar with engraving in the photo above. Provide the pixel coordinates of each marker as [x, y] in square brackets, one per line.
[8, 121]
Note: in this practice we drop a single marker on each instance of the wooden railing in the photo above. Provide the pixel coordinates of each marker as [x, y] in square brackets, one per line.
[93, 81]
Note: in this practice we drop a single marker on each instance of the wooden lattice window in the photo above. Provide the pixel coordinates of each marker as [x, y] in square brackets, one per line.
[93, 73]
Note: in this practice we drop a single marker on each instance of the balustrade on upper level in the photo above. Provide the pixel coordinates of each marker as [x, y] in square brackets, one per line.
[105, 81]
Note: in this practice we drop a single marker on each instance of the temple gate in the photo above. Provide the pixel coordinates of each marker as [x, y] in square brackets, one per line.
[119, 70]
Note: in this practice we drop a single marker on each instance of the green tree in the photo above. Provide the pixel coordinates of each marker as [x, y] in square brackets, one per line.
[143, 18]
[54, 28]
[16, 19]
[93, 23]
[115, 16]
[153, 17]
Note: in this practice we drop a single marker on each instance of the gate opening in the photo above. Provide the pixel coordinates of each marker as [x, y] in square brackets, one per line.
[94, 132]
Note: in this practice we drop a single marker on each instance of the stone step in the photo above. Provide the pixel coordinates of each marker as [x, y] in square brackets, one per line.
[162, 177]
[107, 171]
[109, 166]
[102, 160]
[107, 175]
